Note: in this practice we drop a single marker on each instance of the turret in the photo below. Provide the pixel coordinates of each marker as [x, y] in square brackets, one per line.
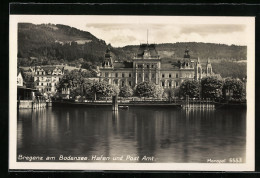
[186, 54]
[198, 70]
[208, 67]
[108, 62]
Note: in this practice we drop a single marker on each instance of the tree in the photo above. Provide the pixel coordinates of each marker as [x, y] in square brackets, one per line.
[211, 87]
[102, 89]
[126, 91]
[148, 89]
[189, 87]
[169, 93]
[116, 90]
[72, 80]
[235, 86]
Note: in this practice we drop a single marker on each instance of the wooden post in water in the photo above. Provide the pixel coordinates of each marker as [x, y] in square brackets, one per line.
[114, 103]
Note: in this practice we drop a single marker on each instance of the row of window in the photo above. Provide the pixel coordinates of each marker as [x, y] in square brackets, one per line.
[48, 84]
[147, 66]
[117, 75]
[123, 83]
[170, 75]
[169, 84]
[48, 79]
[49, 73]
[123, 75]
[177, 75]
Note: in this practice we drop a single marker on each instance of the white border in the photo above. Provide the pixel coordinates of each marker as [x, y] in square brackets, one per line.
[250, 140]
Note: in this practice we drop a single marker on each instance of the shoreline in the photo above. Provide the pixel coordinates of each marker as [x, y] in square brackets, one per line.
[146, 104]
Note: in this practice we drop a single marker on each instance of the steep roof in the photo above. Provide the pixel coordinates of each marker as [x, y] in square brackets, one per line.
[149, 48]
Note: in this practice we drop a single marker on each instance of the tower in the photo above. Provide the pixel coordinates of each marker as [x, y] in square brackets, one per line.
[186, 59]
[198, 70]
[208, 68]
[108, 62]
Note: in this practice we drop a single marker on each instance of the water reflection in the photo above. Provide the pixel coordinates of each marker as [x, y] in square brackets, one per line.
[170, 135]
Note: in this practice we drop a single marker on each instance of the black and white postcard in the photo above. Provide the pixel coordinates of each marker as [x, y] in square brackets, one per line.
[100, 92]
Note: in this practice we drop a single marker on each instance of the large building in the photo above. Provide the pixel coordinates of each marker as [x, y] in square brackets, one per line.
[148, 66]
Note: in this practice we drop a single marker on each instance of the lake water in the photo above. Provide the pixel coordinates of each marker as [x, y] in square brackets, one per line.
[163, 134]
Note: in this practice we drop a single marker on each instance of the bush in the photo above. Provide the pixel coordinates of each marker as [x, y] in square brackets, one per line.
[126, 91]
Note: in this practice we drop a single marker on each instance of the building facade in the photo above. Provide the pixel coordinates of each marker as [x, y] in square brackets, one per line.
[19, 79]
[148, 66]
[46, 78]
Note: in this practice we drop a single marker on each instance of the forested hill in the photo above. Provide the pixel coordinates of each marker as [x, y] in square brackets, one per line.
[202, 50]
[47, 44]
[60, 43]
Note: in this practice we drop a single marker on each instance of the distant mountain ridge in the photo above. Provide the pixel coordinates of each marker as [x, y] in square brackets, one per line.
[197, 49]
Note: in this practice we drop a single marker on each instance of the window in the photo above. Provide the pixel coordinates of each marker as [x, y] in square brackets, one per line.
[116, 74]
[146, 75]
[199, 70]
[162, 84]
[38, 73]
[162, 75]
[123, 83]
[177, 76]
[140, 66]
[123, 75]
[152, 75]
[130, 83]
[170, 84]
[147, 66]
[42, 84]
[139, 75]
[152, 66]
[177, 84]
[130, 75]
[106, 74]
[170, 75]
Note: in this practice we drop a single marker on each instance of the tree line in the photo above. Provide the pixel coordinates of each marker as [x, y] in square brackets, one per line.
[208, 87]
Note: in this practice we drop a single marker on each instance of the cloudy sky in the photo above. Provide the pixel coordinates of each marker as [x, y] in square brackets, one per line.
[132, 30]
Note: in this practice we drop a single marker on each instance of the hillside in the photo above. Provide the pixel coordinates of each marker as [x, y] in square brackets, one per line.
[48, 43]
[202, 50]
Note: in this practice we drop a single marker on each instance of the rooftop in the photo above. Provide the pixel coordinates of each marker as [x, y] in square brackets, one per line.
[150, 48]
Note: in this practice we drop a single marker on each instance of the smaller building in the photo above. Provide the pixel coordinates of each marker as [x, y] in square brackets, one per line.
[46, 78]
